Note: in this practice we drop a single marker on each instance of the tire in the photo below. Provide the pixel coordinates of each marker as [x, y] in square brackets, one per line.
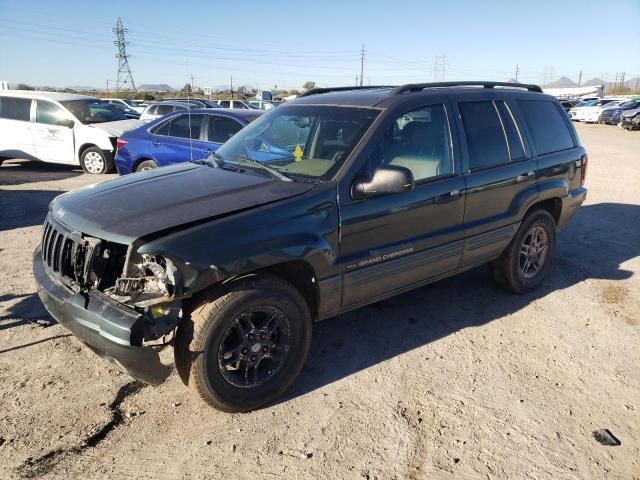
[96, 161]
[206, 337]
[146, 165]
[511, 270]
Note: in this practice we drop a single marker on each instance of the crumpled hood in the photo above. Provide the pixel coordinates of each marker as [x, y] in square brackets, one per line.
[117, 128]
[140, 204]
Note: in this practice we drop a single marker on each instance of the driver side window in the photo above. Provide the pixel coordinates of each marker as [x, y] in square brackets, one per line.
[420, 140]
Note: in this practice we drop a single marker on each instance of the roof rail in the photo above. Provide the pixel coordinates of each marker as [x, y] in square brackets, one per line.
[415, 87]
[315, 91]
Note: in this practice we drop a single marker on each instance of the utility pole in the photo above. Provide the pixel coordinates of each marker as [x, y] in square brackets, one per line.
[439, 68]
[622, 80]
[125, 78]
[107, 88]
[231, 86]
[192, 83]
[517, 71]
[580, 78]
[361, 64]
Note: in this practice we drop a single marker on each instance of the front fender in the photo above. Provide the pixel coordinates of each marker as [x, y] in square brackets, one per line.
[303, 228]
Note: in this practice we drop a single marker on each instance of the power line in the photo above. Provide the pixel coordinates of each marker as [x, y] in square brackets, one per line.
[125, 78]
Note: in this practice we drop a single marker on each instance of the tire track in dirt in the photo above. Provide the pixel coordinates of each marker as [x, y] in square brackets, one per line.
[35, 468]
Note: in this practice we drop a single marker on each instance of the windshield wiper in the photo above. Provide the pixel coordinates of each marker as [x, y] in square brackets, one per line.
[272, 171]
[213, 160]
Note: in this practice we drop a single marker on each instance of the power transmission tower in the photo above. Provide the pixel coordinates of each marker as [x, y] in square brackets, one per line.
[361, 64]
[548, 75]
[622, 80]
[125, 79]
[439, 68]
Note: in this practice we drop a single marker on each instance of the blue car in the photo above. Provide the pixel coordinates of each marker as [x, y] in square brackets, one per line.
[612, 115]
[179, 137]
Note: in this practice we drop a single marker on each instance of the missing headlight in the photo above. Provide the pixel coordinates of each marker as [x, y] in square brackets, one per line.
[154, 277]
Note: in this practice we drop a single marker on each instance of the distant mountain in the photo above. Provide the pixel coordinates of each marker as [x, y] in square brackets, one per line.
[155, 87]
[562, 82]
[81, 88]
[594, 82]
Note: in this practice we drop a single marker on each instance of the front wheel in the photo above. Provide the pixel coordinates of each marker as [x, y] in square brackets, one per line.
[526, 261]
[245, 344]
[94, 160]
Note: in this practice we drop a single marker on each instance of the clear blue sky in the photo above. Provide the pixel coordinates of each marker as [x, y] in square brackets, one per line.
[269, 43]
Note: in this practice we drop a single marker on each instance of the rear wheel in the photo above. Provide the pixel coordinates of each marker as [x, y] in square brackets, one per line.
[96, 161]
[526, 261]
[245, 344]
[146, 165]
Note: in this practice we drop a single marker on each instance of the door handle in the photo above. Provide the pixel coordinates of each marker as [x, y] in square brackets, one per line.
[524, 177]
[448, 197]
[155, 143]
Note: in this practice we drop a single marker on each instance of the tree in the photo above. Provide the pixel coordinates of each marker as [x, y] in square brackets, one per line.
[186, 89]
[309, 85]
[24, 86]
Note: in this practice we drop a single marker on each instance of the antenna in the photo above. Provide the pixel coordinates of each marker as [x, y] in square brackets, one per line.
[125, 78]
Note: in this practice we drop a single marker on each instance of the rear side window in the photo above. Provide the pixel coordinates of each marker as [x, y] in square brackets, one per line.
[152, 110]
[239, 105]
[15, 108]
[222, 129]
[547, 125]
[163, 109]
[484, 134]
[516, 148]
[225, 103]
[181, 126]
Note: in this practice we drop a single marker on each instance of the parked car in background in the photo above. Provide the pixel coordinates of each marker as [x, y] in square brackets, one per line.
[630, 119]
[569, 104]
[179, 137]
[136, 105]
[60, 128]
[611, 115]
[573, 112]
[159, 109]
[592, 114]
[234, 104]
[198, 102]
[263, 104]
[124, 108]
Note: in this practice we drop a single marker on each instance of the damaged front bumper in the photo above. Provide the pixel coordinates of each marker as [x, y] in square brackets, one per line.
[110, 329]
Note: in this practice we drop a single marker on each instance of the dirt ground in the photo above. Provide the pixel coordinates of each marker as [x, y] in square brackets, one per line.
[456, 380]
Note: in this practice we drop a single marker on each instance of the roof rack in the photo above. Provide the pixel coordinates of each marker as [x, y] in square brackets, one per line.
[415, 87]
[316, 91]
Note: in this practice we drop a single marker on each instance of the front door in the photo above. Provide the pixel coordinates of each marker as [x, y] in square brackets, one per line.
[52, 142]
[394, 241]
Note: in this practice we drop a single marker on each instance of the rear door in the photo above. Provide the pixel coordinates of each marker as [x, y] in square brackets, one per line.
[52, 142]
[16, 137]
[499, 169]
[178, 139]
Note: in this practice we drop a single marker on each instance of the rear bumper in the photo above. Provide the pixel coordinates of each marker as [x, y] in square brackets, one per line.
[570, 205]
[108, 328]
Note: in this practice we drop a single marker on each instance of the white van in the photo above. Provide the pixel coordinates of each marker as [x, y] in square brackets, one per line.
[60, 128]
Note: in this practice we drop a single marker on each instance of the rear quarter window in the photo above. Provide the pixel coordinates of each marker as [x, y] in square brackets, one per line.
[13, 108]
[548, 127]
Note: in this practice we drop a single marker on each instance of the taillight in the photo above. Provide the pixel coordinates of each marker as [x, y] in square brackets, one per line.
[583, 171]
[120, 142]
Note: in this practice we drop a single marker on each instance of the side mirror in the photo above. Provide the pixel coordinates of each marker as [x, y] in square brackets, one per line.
[66, 122]
[385, 180]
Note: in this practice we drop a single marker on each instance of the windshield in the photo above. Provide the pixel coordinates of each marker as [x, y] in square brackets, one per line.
[93, 111]
[311, 142]
[132, 103]
[586, 103]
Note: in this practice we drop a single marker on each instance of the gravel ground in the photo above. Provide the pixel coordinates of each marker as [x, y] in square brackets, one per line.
[456, 380]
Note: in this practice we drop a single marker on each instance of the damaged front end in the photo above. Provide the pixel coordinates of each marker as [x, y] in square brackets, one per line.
[115, 300]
